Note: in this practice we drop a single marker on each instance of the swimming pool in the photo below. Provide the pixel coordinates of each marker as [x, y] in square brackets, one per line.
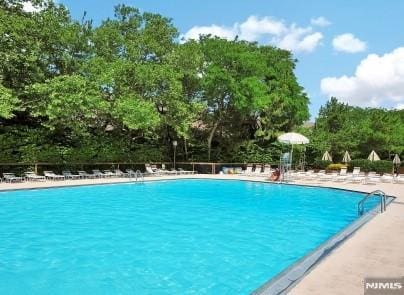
[164, 237]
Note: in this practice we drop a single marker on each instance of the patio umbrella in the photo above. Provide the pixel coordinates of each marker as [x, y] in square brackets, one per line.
[346, 158]
[373, 156]
[396, 160]
[293, 138]
[326, 157]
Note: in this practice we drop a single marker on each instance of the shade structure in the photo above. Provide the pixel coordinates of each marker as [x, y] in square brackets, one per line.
[346, 158]
[326, 157]
[373, 156]
[293, 138]
[396, 160]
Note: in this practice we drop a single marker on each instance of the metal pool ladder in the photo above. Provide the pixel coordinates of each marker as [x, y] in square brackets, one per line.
[375, 193]
[139, 174]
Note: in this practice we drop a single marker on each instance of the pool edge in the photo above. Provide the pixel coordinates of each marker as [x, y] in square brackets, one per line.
[286, 280]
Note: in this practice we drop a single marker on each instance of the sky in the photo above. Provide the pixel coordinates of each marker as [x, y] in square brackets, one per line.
[350, 49]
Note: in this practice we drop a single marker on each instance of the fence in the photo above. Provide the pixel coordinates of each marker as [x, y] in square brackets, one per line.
[200, 167]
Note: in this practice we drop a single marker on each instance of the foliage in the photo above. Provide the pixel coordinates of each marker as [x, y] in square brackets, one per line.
[126, 88]
[381, 166]
[321, 164]
[337, 166]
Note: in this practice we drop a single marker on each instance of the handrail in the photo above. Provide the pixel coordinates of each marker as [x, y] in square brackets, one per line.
[379, 193]
[139, 173]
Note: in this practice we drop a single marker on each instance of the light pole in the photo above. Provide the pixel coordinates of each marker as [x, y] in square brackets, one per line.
[175, 143]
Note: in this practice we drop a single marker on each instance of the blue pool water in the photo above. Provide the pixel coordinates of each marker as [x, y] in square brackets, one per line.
[166, 237]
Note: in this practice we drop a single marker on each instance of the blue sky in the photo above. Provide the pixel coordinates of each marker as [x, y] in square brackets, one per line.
[351, 49]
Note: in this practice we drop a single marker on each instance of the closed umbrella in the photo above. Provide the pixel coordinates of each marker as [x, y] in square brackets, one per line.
[346, 158]
[293, 138]
[326, 157]
[373, 156]
[396, 162]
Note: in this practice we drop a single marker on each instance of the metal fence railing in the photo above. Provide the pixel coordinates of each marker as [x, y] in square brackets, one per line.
[199, 167]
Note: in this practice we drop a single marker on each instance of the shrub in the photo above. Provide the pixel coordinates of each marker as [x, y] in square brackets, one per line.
[381, 166]
[320, 164]
[336, 166]
[364, 164]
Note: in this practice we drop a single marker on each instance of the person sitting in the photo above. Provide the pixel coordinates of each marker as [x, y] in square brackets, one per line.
[275, 175]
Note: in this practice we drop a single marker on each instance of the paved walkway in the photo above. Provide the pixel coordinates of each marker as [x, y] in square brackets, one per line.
[376, 249]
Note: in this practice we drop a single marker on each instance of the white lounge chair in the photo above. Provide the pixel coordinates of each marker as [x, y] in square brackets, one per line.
[53, 176]
[84, 174]
[33, 176]
[108, 173]
[98, 173]
[399, 178]
[257, 171]
[248, 170]
[372, 178]
[69, 175]
[10, 177]
[342, 175]
[387, 178]
[150, 171]
[120, 173]
[267, 171]
[186, 171]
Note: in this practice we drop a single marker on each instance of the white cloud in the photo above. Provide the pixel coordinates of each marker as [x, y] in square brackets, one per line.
[400, 106]
[264, 29]
[320, 21]
[254, 27]
[219, 31]
[348, 43]
[378, 81]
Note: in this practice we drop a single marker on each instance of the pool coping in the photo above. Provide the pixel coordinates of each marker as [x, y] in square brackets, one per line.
[284, 281]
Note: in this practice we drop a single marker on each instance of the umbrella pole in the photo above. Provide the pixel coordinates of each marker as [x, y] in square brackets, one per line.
[291, 157]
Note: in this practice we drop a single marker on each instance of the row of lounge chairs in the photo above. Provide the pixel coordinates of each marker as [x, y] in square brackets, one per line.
[96, 173]
[343, 176]
[264, 170]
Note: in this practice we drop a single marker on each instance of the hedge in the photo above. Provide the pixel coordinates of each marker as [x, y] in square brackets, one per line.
[381, 166]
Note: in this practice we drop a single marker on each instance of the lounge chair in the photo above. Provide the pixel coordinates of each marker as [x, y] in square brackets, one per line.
[372, 178]
[399, 178]
[342, 175]
[186, 171]
[267, 171]
[248, 170]
[10, 177]
[387, 178]
[84, 174]
[257, 171]
[120, 173]
[356, 175]
[150, 171]
[53, 176]
[69, 175]
[33, 176]
[97, 173]
[108, 173]
[130, 172]
[327, 177]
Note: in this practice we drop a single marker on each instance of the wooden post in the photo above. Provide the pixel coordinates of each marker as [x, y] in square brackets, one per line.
[193, 167]
[213, 168]
[36, 168]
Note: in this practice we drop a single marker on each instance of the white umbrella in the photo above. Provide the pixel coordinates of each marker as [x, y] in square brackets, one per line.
[396, 160]
[346, 158]
[373, 156]
[293, 138]
[326, 157]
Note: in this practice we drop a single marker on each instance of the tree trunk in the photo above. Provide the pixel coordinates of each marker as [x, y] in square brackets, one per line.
[211, 134]
[186, 149]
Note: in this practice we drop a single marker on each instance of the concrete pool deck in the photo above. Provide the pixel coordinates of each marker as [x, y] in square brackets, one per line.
[375, 250]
